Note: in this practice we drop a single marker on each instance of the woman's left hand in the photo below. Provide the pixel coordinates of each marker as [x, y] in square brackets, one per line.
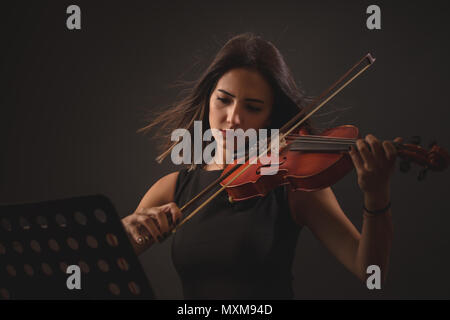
[374, 162]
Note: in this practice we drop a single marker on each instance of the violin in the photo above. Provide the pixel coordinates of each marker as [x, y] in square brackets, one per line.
[313, 162]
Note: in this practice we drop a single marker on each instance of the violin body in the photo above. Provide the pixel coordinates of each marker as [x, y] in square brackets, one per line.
[306, 171]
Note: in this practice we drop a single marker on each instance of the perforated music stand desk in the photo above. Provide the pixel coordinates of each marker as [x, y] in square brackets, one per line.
[39, 240]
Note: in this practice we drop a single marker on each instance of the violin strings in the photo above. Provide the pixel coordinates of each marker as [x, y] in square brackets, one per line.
[333, 140]
[312, 137]
[306, 141]
[317, 143]
[332, 146]
[323, 141]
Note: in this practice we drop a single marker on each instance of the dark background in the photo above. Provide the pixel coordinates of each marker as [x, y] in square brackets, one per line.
[71, 102]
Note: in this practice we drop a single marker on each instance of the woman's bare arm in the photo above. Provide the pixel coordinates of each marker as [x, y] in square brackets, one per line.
[150, 217]
[322, 214]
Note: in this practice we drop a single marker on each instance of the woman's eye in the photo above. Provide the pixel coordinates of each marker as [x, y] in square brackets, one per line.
[253, 109]
[249, 107]
[224, 100]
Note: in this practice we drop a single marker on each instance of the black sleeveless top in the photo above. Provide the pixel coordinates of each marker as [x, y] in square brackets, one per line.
[241, 250]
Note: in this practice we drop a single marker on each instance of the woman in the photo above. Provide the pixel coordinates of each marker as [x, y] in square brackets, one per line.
[245, 249]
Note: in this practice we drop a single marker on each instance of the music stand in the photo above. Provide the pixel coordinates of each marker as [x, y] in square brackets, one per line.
[39, 240]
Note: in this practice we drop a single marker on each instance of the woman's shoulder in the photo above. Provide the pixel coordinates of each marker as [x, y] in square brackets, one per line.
[170, 183]
[170, 179]
[161, 192]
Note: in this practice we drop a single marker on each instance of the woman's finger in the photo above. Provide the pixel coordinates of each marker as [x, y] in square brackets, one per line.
[175, 213]
[134, 234]
[357, 160]
[164, 216]
[366, 155]
[377, 149]
[159, 214]
[151, 226]
[390, 150]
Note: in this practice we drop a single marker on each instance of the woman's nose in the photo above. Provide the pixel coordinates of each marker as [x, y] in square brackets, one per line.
[234, 117]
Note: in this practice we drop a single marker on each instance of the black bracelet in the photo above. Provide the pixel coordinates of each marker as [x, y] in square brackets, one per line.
[380, 211]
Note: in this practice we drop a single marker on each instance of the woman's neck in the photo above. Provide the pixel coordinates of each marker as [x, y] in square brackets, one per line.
[214, 167]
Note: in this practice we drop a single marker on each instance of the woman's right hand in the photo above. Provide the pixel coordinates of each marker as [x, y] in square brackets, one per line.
[149, 225]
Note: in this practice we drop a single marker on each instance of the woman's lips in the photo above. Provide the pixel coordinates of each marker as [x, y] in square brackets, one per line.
[224, 133]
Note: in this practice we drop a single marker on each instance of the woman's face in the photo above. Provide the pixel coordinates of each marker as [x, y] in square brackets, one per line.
[241, 99]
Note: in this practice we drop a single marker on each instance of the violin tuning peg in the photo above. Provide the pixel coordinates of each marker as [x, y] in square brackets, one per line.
[405, 166]
[415, 140]
[422, 174]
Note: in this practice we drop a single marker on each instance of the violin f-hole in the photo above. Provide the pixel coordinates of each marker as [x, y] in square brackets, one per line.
[258, 171]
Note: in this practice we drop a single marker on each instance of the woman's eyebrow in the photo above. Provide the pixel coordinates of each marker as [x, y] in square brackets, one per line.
[246, 99]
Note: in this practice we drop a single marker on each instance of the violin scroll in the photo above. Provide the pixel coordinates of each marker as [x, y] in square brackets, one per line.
[434, 159]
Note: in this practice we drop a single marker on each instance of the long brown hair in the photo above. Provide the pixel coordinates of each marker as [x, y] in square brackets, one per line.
[245, 50]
